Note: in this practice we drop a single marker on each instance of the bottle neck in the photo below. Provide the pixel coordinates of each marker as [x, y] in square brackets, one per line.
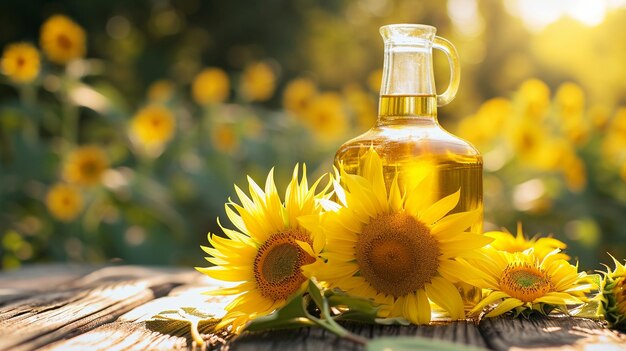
[408, 85]
[393, 107]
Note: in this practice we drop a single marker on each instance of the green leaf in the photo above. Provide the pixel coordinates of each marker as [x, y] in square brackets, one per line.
[292, 315]
[392, 321]
[356, 309]
[592, 309]
[415, 343]
[595, 279]
[175, 322]
[316, 293]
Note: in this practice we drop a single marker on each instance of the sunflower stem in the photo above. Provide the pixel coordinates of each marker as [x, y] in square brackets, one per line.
[195, 334]
[28, 97]
[328, 322]
[69, 128]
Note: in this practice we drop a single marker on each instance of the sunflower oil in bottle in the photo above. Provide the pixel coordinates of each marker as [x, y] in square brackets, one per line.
[407, 135]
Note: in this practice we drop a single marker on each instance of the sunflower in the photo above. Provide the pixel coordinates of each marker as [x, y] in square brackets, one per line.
[263, 256]
[153, 126]
[542, 246]
[524, 281]
[20, 62]
[258, 82]
[225, 138]
[395, 248]
[362, 105]
[161, 91]
[210, 86]
[85, 165]
[326, 117]
[62, 39]
[535, 95]
[298, 95]
[613, 290]
[64, 202]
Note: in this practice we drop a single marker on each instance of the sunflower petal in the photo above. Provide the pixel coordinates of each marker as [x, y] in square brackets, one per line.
[446, 295]
[440, 208]
[423, 307]
[505, 306]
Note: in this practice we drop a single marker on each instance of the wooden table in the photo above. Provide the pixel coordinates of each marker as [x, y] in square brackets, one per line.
[65, 307]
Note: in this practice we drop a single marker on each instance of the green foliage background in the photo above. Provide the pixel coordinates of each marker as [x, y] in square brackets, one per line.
[165, 207]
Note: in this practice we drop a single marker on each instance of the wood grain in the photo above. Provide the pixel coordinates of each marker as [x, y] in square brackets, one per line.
[549, 333]
[82, 304]
[317, 339]
[106, 308]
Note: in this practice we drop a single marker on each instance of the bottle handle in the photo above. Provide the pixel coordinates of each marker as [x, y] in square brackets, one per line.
[455, 70]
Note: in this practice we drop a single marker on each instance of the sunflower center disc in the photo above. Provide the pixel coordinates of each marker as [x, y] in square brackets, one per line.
[524, 282]
[64, 42]
[396, 254]
[277, 264]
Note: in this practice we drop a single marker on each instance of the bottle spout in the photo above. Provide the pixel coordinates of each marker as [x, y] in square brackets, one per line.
[408, 34]
[408, 68]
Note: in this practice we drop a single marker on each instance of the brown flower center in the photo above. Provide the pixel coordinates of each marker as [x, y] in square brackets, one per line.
[64, 42]
[277, 264]
[396, 254]
[525, 282]
[90, 168]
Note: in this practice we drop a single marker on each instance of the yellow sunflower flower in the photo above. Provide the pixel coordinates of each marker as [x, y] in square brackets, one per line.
[64, 202]
[264, 255]
[210, 86]
[613, 290]
[535, 95]
[523, 281]
[20, 62]
[362, 105]
[394, 247]
[85, 165]
[374, 80]
[153, 126]
[161, 91]
[298, 95]
[258, 82]
[224, 138]
[326, 117]
[542, 246]
[62, 39]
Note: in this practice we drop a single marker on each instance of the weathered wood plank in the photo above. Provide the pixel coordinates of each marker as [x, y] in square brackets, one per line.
[32, 280]
[130, 332]
[305, 339]
[133, 336]
[549, 333]
[83, 304]
[107, 308]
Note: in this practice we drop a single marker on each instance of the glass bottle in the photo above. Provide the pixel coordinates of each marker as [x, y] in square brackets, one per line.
[407, 134]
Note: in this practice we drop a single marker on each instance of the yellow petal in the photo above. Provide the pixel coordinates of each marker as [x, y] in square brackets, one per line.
[456, 222]
[440, 208]
[446, 295]
[487, 300]
[464, 247]
[373, 171]
[505, 306]
[395, 197]
[423, 307]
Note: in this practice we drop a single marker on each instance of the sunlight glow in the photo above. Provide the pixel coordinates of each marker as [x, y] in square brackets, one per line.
[466, 16]
[537, 14]
[526, 194]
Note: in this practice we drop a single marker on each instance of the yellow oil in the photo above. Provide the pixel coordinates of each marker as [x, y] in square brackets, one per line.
[413, 145]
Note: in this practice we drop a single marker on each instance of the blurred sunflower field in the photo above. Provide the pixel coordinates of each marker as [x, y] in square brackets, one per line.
[124, 125]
